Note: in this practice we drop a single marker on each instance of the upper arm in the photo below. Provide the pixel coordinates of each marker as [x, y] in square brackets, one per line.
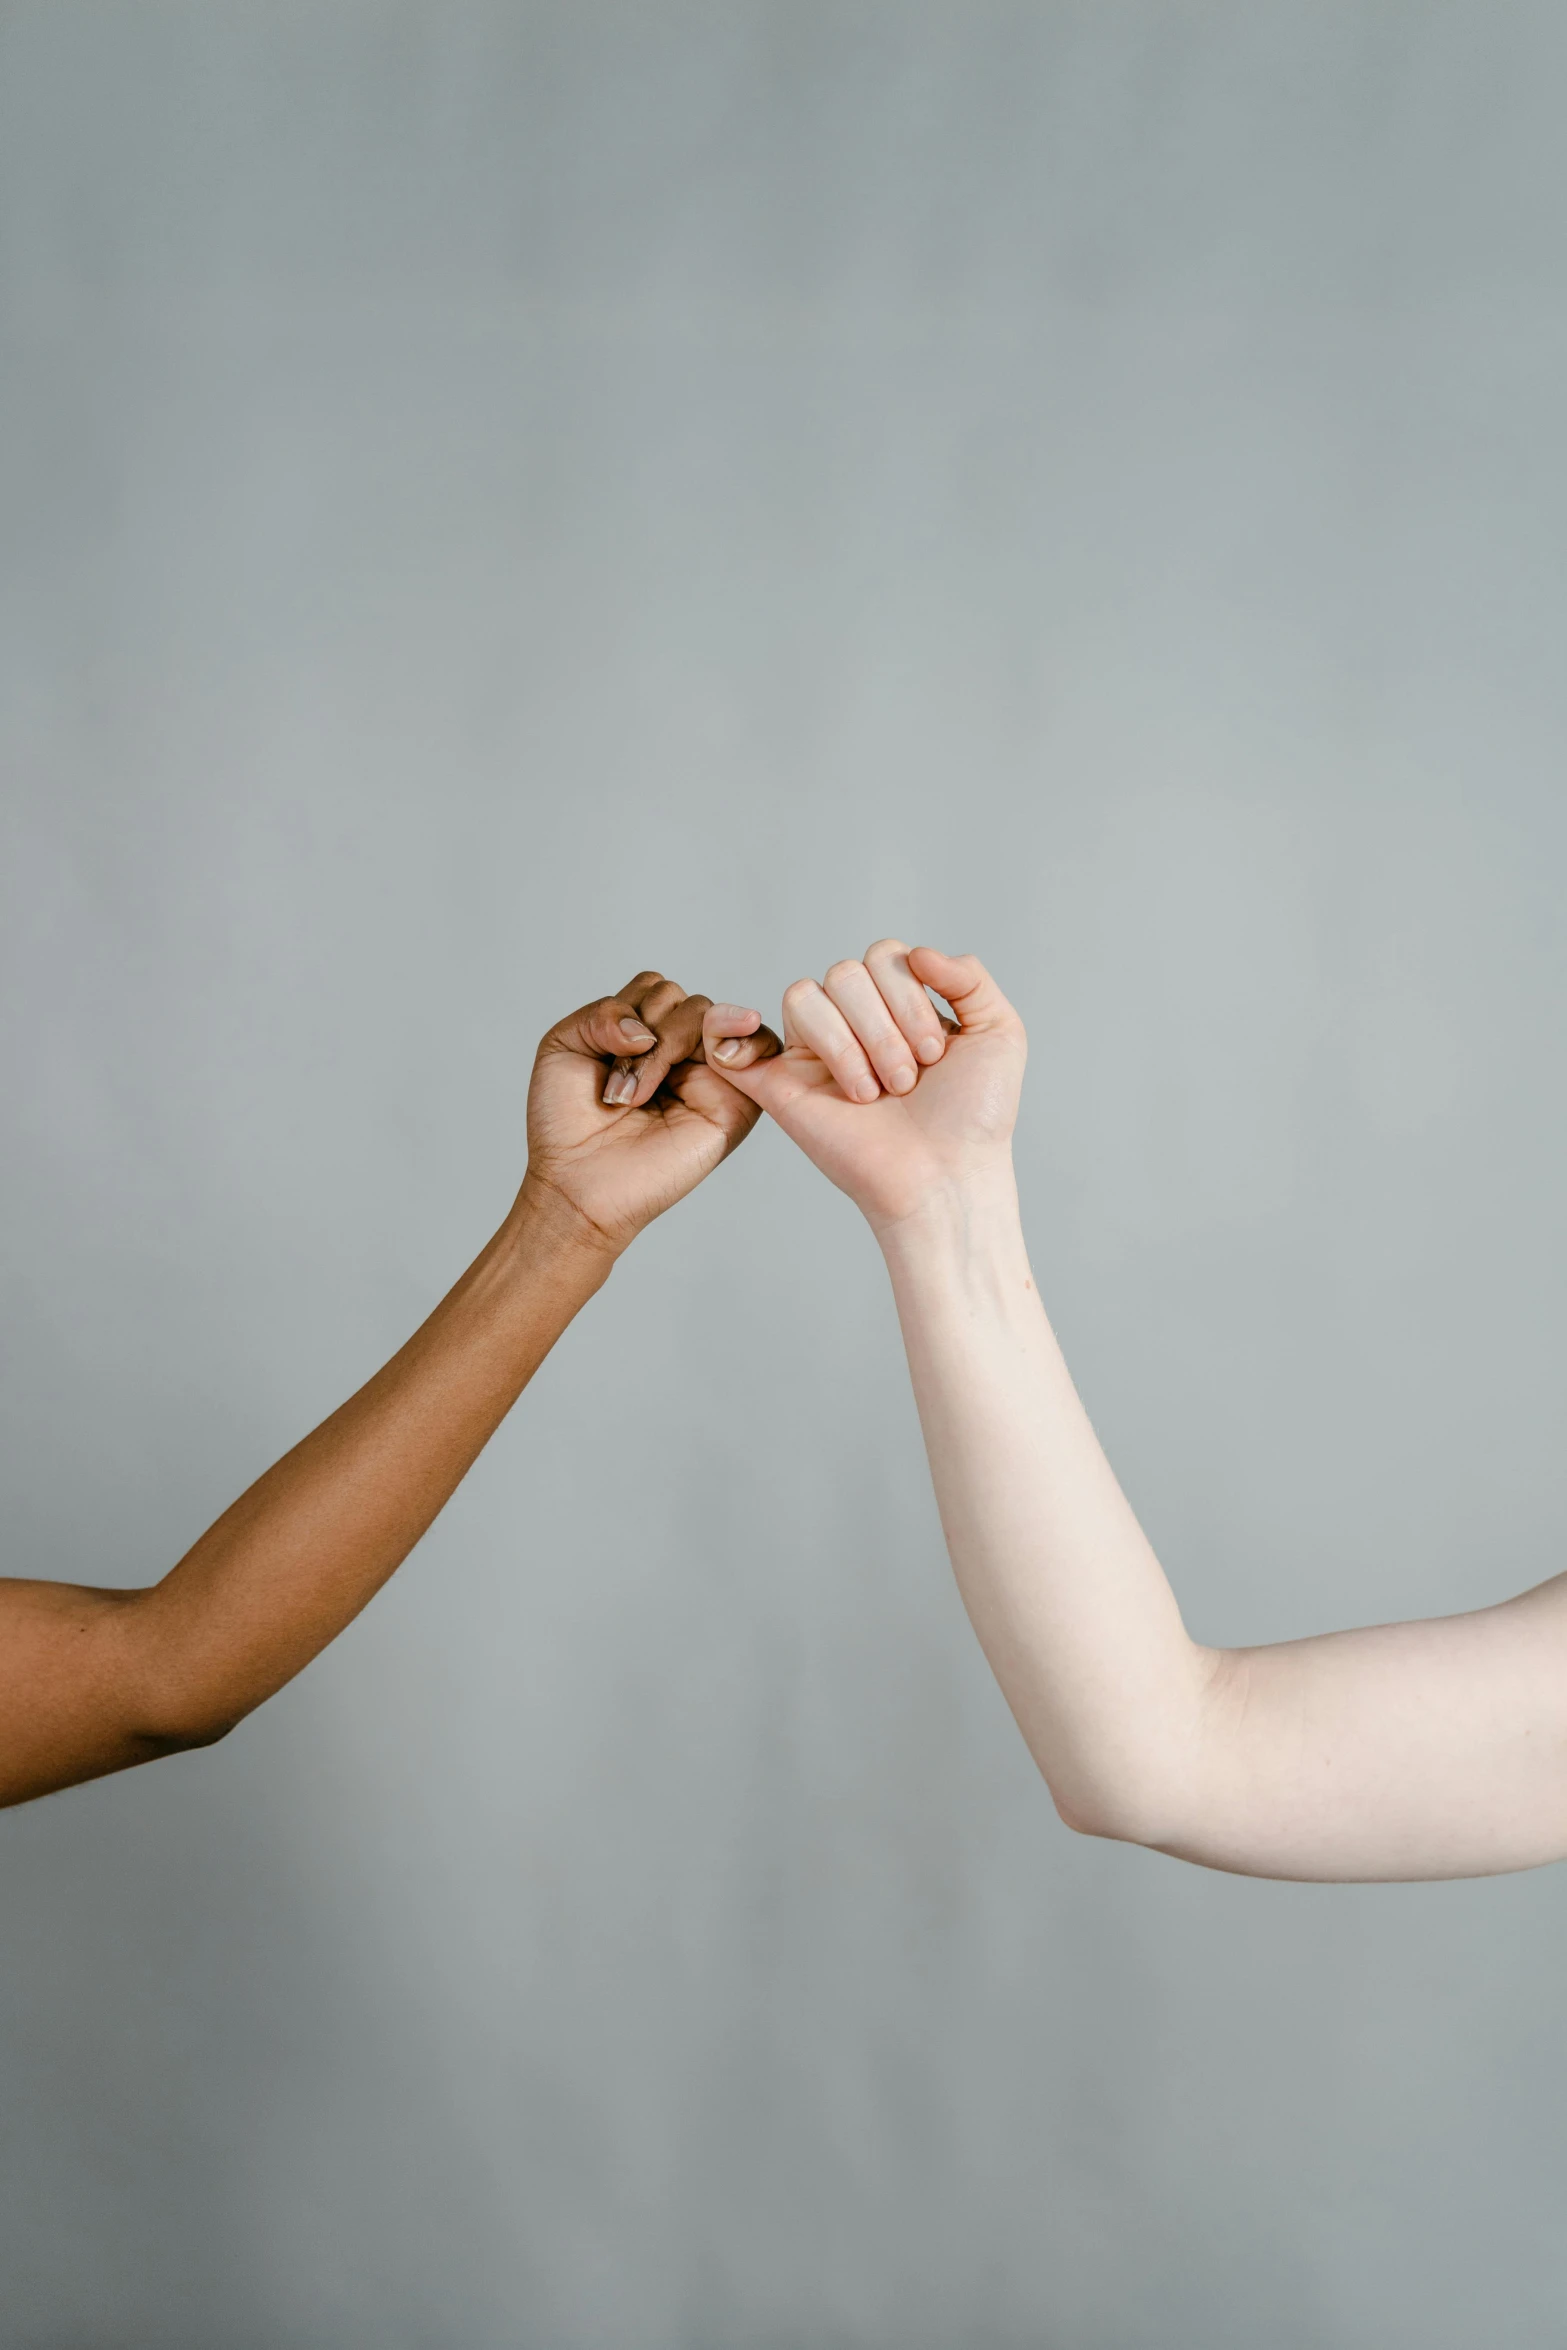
[1434, 1749]
[71, 1689]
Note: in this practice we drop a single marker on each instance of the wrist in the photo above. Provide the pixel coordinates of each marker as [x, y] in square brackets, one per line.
[531, 1278]
[970, 1220]
[545, 1224]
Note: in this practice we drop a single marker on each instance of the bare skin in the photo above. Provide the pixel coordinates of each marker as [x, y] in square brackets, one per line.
[624, 1119]
[1430, 1749]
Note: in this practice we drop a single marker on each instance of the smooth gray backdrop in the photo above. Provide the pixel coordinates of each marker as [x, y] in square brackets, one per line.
[495, 496]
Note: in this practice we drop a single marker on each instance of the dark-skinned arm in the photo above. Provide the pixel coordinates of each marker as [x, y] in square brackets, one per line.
[95, 1680]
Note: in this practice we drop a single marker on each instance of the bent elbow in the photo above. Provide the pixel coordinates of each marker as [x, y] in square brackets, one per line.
[176, 1731]
[190, 1736]
[175, 1703]
[1095, 1817]
[178, 1721]
[1081, 1818]
[1156, 1782]
[1129, 1813]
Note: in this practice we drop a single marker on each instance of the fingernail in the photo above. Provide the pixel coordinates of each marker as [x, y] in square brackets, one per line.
[930, 1048]
[866, 1089]
[619, 1086]
[635, 1032]
[728, 1050]
[901, 1080]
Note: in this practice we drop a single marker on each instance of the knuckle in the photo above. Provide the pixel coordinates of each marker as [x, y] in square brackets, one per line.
[842, 973]
[799, 991]
[885, 950]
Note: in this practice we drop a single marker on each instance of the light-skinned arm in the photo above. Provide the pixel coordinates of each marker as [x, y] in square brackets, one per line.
[623, 1119]
[1430, 1749]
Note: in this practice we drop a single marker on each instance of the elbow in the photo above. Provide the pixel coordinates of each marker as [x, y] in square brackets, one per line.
[1155, 1784]
[1083, 1818]
[1148, 1800]
[208, 1730]
[178, 1715]
[1118, 1816]
[171, 1701]
[175, 1718]
[175, 1732]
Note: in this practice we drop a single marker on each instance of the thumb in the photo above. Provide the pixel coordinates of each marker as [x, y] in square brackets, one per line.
[968, 987]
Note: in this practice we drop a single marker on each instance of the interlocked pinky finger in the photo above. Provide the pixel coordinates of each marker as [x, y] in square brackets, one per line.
[812, 1020]
[733, 1036]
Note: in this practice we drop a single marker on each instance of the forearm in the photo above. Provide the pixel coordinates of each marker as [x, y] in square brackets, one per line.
[299, 1554]
[302, 1551]
[1397, 1751]
[624, 1118]
[1408, 1750]
[1068, 1600]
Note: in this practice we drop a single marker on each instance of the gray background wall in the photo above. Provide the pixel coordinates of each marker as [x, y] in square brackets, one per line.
[497, 495]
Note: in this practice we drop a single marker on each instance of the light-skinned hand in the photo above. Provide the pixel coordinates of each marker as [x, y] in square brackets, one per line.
[898, 1105]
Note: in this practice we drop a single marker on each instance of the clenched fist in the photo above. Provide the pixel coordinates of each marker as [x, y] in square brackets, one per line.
[899, 1105]
[624, 1115]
